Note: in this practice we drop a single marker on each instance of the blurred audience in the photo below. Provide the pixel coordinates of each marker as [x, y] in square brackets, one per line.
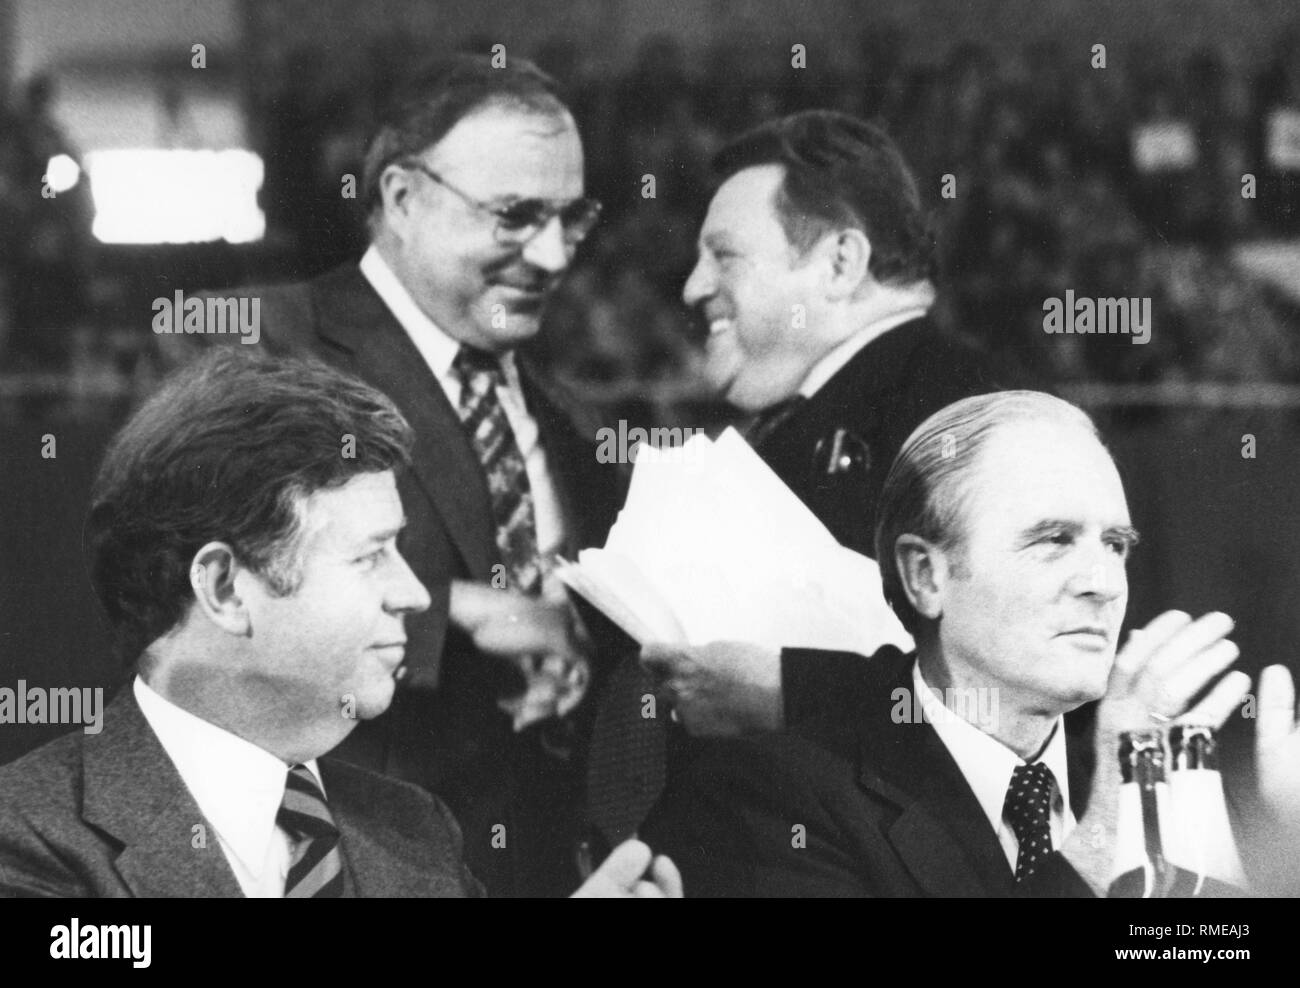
[1122, 181]
[45, 239]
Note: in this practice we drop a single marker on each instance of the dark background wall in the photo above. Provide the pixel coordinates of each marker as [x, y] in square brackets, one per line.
[610, 31]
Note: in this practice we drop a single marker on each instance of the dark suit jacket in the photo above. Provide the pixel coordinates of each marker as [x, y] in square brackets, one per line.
[107, 815]
[444, 731]
[835, 450]
[872, 404]
[884, 807]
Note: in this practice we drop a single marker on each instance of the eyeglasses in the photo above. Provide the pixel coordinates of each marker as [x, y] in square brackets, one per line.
[519, 221]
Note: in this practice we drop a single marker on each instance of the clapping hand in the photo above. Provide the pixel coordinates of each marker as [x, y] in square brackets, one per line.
[1163, 667]
[1277, 746]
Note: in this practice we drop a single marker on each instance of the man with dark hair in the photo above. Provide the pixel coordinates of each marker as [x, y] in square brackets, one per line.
[1004, 533]
[243, 536]
[814, 275]
[474, 185]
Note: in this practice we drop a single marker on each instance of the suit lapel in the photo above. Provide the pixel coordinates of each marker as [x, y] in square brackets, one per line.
[941, 834]
[876, 368]
[384, 862]
[354, 317]
[133, 792]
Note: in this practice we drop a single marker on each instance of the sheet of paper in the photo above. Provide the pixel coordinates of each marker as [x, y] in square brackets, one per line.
[711, 545]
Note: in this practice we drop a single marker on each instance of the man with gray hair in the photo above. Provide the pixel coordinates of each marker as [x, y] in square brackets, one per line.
[1003, 534]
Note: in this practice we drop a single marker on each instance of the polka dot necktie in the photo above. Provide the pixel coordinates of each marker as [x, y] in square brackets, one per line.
[1029, 811]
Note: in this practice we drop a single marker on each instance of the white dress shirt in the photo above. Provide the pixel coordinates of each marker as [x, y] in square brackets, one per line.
[829, 365]
[987, 765]
[439, 352]
[237, 786]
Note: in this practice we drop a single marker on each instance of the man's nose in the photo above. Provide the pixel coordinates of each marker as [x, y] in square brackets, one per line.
[699, 286]
[1102, 576]
[406, 593]
[547, 249]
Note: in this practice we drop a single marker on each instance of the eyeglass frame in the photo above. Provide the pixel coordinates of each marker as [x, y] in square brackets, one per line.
[592, 209]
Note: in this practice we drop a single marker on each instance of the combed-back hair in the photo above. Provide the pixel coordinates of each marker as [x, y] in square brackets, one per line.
[928, 485]
[841, 172]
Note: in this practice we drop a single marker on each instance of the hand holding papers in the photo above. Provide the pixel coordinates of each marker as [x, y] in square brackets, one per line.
[712, 546]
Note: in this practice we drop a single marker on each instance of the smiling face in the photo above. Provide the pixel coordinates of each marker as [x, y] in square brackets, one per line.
[1037, 587]
[474, 288]
[745, 284]
[340, 634]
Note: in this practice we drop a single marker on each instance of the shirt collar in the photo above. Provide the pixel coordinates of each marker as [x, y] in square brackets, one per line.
[829, 365]
[237, 785]
[438, 348]
[985, 762]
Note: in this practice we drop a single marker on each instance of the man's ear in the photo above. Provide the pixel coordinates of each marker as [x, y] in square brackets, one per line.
[396, 189]
[848, 256]
[212, 578]
[923, 571]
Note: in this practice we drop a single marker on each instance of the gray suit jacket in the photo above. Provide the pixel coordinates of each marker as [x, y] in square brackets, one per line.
[108, 816]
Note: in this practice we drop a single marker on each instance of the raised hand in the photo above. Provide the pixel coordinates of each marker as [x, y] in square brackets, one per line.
[623, 875]
[1162, 668]
[1277, 746]
[1156, 677]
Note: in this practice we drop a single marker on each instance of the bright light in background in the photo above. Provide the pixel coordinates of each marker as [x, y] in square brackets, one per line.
[62, 173]
[176, 197]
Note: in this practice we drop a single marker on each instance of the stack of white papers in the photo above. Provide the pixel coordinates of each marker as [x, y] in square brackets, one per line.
[712, 546]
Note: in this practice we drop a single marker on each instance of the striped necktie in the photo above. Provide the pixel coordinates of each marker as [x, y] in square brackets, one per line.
[484, 418]
[316, 865]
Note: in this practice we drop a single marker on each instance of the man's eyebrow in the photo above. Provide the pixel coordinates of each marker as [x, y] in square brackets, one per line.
[387, 533]
[1127, 534]
[1049, 526]
[507, 199]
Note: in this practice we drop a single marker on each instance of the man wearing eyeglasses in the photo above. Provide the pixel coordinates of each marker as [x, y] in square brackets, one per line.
[473, 183]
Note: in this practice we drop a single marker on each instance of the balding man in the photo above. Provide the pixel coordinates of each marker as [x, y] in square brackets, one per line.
[1003, 535]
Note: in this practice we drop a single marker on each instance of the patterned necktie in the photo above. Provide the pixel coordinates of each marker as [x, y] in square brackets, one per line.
[627, 764]
[493, 440]
[1029, 810]
[316, 866]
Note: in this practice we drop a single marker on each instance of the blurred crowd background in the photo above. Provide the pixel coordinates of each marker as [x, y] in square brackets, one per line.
[1124, 181]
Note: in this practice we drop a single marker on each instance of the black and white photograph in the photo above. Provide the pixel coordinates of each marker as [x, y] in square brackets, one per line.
[620, 449]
